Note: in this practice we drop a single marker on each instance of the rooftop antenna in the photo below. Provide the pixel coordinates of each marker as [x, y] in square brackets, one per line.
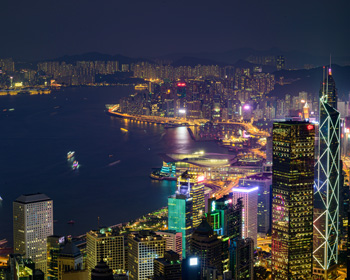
[98, 222]
[323, 81]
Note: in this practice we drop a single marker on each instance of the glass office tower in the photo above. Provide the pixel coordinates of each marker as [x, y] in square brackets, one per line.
[292, 203]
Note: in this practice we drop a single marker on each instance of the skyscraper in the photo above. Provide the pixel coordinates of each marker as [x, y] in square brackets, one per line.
[143, 248]
[32, 224]
[194, 183]
[54, 246]
[107, 244]
[292, 203]
[249, 196]
[242, 258]
[207, 247]
[326, 194]
[264, 182]
[173, 241]
[168, 268]
[180, 215]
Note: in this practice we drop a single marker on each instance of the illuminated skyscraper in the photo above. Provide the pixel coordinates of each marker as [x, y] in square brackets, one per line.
[225, 217]
[180, 215]
[327, 170]
[143, 248]
[242, 258]
[173, 241]
[32, 224]
[249, 196]
[292, 203]
[107, 244]
[194, 183]
[264, 182]
[54, 246]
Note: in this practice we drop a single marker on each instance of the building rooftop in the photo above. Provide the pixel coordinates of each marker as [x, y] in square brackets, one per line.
[259, 176]
[71, 250]
[291, 122]
[146, 235]
[200, 159]
[32, 198]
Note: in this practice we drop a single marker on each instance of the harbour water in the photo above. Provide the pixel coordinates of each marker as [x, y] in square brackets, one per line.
[112, 181]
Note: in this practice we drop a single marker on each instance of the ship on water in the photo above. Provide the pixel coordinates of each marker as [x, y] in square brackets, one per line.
[75, 165]
[70, 154]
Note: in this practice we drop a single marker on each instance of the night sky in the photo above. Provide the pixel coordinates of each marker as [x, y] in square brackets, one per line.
[42, 29]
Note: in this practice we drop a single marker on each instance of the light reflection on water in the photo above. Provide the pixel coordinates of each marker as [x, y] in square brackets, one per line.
[34, 144]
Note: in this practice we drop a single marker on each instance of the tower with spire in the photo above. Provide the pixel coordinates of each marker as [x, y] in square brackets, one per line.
[326, 187]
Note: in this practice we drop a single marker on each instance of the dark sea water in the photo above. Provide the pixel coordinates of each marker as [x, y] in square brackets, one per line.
[112, 182]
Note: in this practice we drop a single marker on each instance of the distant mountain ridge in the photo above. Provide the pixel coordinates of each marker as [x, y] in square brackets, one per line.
[294, 59]
[310, 81]
[96, 56]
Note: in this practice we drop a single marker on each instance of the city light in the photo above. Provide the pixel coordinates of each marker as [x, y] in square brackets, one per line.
[310, 127]
[247, 190]
[182, 111]
[193, 261]
[181, 84]
[200, 178]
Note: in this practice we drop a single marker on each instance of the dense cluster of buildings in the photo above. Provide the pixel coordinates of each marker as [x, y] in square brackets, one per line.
[296, 201]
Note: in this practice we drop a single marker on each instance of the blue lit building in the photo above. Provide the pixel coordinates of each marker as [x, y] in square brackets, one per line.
[180, 212]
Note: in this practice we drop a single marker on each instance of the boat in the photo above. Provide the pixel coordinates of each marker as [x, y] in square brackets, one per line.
[70, 154]
[71, 222]
[75, 165]
[123, 129]
[1, 198]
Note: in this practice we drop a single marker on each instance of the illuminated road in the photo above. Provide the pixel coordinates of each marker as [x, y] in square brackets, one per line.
[227, 189]
[259, 153]
[157, 119]
[251, 129]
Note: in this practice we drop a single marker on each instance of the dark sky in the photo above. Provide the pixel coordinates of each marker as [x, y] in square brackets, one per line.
[40, 29]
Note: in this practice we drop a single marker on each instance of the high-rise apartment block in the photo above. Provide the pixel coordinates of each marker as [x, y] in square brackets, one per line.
[32, 224]
[292, 204]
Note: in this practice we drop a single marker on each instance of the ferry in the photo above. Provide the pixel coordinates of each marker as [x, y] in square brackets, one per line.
[70, 154]
[75, 165]
[123, 129]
